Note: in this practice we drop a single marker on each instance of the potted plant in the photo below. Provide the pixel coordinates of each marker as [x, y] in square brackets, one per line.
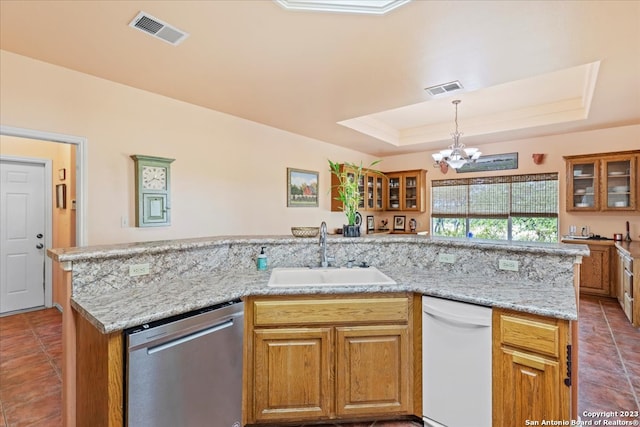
[348, 175]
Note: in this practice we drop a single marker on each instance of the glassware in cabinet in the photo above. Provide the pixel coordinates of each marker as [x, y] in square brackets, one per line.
[394, 193]
[619, 183]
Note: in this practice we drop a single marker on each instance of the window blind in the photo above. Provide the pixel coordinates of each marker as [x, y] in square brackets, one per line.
[534, 195]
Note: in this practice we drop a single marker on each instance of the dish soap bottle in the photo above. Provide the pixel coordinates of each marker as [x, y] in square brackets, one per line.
[262, 260]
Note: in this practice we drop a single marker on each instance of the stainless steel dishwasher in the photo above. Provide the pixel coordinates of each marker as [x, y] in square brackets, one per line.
[186, 371]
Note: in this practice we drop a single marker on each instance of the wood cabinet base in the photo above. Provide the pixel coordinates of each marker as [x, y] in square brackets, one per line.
[331, 357]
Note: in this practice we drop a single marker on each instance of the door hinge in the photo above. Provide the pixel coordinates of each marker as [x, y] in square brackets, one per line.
[567, 381]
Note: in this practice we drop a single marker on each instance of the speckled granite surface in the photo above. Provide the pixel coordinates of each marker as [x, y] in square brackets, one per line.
[195, 273]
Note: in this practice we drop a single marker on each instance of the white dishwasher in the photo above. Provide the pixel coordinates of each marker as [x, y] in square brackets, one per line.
[456, 363]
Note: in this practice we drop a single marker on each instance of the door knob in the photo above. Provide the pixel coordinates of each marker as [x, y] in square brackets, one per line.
[39, 235]
[39, 246]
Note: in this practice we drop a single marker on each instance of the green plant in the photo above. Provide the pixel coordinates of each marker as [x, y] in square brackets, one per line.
[348, 177]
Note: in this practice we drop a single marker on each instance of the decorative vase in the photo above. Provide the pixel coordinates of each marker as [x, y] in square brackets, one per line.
[351, 230]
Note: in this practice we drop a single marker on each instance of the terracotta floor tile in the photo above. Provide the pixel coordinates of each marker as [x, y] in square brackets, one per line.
[30, 391]
[26, 374]
[25, 359]
[35, 411]
[18, 345]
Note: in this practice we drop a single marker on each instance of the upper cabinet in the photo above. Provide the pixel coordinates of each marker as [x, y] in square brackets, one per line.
[393, 191]
[603, 182]
[371, 187]
[406, 191]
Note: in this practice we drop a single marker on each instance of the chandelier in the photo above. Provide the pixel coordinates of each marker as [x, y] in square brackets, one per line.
[456, 155]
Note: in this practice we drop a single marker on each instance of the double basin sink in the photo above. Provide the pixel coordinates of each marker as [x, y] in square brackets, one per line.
[288, 277]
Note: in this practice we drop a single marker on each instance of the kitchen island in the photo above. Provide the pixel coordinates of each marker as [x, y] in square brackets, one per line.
[192, 273]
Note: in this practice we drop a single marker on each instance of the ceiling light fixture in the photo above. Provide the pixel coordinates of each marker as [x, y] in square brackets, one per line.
[456, 155]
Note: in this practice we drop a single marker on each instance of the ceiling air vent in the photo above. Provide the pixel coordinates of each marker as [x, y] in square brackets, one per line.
[158, 29]
[444, 88]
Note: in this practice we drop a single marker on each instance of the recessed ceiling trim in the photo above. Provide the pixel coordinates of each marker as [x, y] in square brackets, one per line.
[369, 7]
[157, 28]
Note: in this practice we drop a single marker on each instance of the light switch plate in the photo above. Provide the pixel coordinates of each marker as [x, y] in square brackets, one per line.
[508, 264]
[138, 269]
[447, 258]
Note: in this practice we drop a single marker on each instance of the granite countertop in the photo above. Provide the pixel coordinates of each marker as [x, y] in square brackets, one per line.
[156, 247]
[126, 303]
[127, 307]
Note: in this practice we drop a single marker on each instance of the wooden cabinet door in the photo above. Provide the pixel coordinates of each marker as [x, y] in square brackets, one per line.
[619, 181]
[373, 370]
[531, 385]
[292, 374]
[595, 271]
[583, 185]
[412, 191]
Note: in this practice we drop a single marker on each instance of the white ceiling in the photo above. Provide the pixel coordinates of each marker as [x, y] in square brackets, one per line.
[529, 68]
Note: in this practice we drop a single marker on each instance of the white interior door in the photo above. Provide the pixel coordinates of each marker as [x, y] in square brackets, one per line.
[22, 239]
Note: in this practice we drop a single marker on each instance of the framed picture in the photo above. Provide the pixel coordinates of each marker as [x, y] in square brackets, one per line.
[398, 222]
[62, 174]
[494, 162]
[370, 224]
[61, 196]
[302, 188]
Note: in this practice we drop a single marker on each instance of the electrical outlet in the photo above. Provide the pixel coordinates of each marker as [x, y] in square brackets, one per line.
[508, 264]
[447, 258]
[124, 222]
[138, 269]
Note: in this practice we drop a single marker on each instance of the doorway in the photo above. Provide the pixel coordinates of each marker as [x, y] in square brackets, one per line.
[74, 169]
[25, 215]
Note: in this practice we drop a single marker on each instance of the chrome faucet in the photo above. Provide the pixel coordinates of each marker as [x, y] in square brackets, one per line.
[323, 245]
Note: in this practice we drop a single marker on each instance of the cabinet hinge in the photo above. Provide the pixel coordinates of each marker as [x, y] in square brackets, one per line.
[567, 381]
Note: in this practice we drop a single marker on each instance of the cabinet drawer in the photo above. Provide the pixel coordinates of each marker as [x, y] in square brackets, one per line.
[331, 311]
[628, 263]
[539, 337]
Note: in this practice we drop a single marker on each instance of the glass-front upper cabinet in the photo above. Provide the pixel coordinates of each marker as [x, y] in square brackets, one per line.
[583, 184]
[603, 182]
[406, 191]
[619, 183]
[393, 200]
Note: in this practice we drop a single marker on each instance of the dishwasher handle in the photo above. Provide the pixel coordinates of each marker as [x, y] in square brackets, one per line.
[462, 319]
[190, 337]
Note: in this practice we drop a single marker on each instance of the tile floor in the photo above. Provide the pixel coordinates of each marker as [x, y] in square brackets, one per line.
[31, 369]
[30, 360]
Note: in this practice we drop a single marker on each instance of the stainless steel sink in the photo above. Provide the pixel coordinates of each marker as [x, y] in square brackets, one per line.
[282, 277]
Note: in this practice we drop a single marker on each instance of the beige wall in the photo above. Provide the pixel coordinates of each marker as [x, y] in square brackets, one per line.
[229, 176]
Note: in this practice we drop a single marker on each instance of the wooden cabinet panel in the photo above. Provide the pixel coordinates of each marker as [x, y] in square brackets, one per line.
[322, 311]
[293, 374]
[534, 392]
[99, 376]
[373, 371]
[530, 364]
[595, 271]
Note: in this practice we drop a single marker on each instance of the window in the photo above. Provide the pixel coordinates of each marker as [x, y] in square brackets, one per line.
[515, 207]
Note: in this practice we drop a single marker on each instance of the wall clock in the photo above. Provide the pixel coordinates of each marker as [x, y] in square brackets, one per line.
[153, 190]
